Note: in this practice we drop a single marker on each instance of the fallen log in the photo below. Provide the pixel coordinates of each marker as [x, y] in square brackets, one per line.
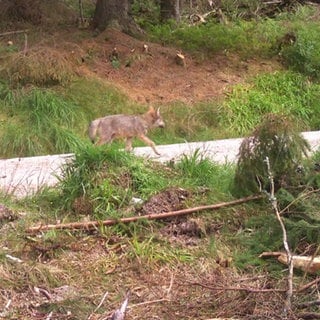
[92, 225]
[307, 264]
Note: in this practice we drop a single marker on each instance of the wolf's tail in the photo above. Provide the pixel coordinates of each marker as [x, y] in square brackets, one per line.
[92, 130]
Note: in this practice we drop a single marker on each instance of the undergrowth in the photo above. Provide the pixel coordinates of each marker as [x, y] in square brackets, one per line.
[248, 38]
[39, 122]
[287, 93]
[103, 182]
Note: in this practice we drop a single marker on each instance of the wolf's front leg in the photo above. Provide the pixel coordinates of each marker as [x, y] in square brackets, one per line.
[150, 143]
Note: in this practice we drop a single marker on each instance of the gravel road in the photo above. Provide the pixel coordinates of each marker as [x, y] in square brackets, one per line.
[23, 177]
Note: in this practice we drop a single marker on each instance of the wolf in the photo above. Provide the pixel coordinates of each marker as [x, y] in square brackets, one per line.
[121, 126]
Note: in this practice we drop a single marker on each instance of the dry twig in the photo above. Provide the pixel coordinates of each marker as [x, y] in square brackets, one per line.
[148, 302]
[309, 315]
[246, 289]
[99, 305]
[308, 285]
[309, 304]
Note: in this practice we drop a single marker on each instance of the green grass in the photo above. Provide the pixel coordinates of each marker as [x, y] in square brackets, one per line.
[97, 98]
[150, 251]
[246, 38]
[107, 179]
[101, 182]
[44, 121]
[198, 170]
[303, 56]
[286, 93]
[39, 122]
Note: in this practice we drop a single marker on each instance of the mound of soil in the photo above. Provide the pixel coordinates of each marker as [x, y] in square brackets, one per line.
[165, 201]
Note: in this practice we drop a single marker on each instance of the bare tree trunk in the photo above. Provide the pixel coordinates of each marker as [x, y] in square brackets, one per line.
[81, 10]
[170, 9]
[114, 13]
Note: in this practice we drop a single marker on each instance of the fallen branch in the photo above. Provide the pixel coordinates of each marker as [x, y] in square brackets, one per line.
[99, 305]
[148, 302]
[309, 304]
[308, 285]
[92, 225]
[13, 32]
[245, 289]
[258, 290]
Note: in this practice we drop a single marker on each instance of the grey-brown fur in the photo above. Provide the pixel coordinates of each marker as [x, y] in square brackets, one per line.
[120, 126]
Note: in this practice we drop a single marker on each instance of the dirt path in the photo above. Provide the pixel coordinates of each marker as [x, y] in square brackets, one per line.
[23, 177]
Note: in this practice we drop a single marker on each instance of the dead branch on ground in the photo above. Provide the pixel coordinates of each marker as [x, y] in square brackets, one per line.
[93, 225]
[13, 32]
[309, 304]
[257, 290]
[308, 285]
[246, 289]
[274, 205]
[309, 315]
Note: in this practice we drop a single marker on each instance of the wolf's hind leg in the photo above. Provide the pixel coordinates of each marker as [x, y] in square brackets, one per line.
[103, 139]
[128, 144]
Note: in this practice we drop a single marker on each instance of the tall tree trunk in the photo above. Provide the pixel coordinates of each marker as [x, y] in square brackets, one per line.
[170, 9]
[114, 13]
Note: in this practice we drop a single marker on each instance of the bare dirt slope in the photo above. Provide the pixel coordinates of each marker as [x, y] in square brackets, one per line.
[155, 77]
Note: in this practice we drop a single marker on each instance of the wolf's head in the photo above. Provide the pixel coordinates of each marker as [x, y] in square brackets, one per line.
[155, 117]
